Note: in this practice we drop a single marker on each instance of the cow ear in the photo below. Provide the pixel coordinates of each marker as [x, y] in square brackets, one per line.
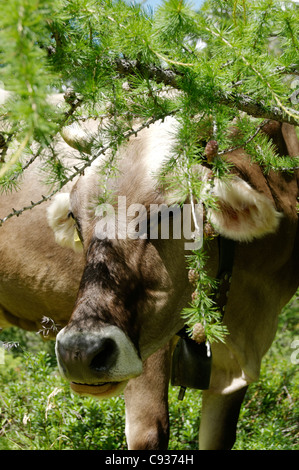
[242, 213]
[62, 224]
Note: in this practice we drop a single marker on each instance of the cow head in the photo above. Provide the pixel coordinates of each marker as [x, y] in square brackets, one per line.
[133, 289]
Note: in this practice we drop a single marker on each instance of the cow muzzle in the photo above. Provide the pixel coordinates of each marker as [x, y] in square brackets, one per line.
[97, 363]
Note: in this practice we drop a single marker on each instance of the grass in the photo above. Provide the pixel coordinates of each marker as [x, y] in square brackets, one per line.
[39, 412]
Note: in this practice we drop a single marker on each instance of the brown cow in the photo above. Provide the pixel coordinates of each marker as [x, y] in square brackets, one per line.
[132, 290]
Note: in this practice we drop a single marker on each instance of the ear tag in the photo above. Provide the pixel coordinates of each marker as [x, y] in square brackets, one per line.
[191, 365]
[76, 236]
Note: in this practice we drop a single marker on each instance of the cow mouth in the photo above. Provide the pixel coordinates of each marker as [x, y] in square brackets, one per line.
[99, 390]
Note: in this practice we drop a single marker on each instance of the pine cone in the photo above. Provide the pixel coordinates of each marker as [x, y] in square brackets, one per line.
[193, 276]
[198, 333]
[209, 231]
[211, 150]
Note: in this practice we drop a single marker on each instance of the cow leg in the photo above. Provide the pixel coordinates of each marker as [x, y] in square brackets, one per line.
[219, 419]
[146, 399]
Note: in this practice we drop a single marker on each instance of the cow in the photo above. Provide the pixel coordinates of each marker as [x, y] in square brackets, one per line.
[119, 299]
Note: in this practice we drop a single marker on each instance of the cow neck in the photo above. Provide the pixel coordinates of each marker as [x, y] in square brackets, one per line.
[190, 357]
[226, 256]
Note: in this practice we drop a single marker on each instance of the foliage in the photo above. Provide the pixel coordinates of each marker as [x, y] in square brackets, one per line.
[118, 58]
[38, 411]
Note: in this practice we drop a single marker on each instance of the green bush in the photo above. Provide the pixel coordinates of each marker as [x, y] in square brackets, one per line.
[38, 410]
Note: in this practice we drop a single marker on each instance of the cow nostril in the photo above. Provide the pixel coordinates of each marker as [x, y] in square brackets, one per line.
[105, 356]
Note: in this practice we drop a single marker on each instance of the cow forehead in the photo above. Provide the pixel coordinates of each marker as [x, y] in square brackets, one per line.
[138, 163]
[127, 260]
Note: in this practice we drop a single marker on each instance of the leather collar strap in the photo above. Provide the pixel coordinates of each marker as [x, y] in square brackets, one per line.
[226, 250]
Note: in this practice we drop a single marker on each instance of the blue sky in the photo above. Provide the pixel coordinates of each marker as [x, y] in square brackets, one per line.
[155, 3]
